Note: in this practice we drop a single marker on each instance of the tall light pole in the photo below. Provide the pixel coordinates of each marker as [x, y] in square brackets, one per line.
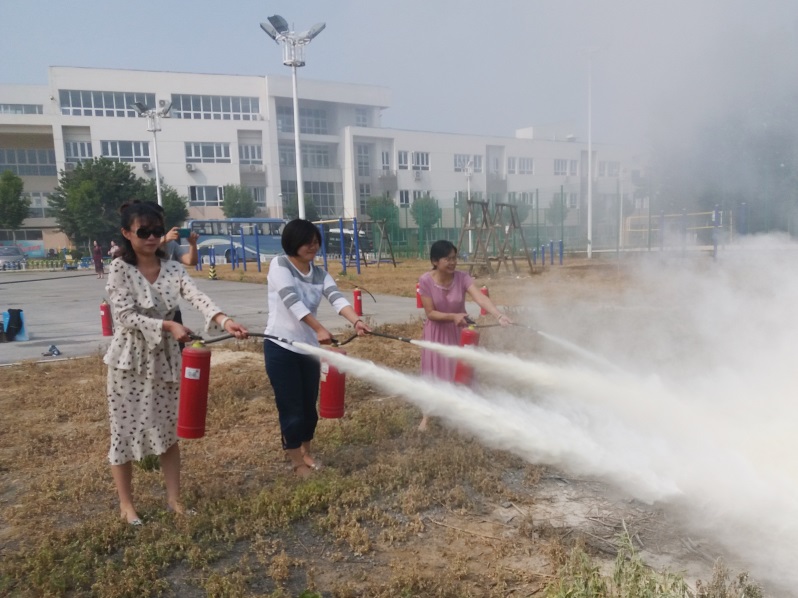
[590, 52]
[469, 170]
[154, 125]
[293, 56]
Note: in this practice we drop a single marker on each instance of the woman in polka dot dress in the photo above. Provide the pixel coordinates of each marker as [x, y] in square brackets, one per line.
[144, 358]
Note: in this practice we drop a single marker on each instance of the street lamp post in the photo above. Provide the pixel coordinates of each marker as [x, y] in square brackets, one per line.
[293, 56]
[154, 125]
[469, 170]
[590, 152]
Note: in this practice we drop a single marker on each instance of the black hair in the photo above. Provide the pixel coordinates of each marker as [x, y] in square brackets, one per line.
[441, 249]
[297, 233]
[147, 215]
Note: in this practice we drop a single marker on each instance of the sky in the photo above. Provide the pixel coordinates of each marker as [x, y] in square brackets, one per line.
[467, 66]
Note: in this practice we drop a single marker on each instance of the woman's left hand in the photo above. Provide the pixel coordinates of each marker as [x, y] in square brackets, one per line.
[361, 328]
[504, 320]
[236, 329]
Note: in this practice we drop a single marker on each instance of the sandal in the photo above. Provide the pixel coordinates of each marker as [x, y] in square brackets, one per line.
[314, 464]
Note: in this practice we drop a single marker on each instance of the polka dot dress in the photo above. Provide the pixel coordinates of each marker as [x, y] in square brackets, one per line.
[143, 361]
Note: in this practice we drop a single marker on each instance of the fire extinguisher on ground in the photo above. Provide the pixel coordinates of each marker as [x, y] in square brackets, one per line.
[463, 373]
[357, 298]
[332, 390]
[106, 320]
[418, 296]
[194, 379]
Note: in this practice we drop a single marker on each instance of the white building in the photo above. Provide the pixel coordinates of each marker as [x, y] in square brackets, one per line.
[231, 129]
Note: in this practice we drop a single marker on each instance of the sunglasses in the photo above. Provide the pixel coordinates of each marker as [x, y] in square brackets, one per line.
[145, 233]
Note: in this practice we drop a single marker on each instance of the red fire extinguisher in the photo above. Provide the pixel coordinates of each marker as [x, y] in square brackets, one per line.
[464, 374]
[484, 291]
[105, 318]
[418, 296]
[193, 405]
[357, 297]
[332, 390]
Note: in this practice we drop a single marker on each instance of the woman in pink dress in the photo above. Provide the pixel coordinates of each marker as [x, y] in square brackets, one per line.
[443, 293]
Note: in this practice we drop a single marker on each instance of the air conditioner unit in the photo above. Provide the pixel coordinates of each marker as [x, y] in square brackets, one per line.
[417, 175]
[255, 168]
[146, 166]
[161, 103]
[190, 167]
[69, 166]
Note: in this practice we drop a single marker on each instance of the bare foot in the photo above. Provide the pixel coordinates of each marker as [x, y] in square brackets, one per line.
[303, 471]
[179, 509]
[422, 427]
[311, 462]
[130, 516]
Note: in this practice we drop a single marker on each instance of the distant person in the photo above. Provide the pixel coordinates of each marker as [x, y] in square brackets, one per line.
[97, 256]
[114, 250]
[143, 359]
[296, 287]
[443, 293]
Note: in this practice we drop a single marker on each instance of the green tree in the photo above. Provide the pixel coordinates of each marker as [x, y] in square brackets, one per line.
[426, 213]
[13, 205]
[87, 199]
[175, 210]
[557, 211]
[291, 208]
[238, 202]
[383, 208]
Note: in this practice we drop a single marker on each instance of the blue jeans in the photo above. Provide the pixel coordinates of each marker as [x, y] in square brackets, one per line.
[295, 380]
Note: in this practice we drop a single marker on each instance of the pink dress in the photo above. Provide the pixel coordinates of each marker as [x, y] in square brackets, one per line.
[450, 299]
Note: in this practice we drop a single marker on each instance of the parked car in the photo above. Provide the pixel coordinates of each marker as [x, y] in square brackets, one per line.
[11, 258]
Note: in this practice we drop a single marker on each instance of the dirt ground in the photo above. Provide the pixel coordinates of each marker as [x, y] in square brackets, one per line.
[416, 514]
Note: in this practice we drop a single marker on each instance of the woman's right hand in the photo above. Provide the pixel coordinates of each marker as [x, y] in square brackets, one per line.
[461, 319]
[178, 331]
[323, 336]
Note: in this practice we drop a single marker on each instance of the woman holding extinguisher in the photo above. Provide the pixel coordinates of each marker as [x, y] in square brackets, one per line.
[443, 293]
[296, 287]
[143, 359]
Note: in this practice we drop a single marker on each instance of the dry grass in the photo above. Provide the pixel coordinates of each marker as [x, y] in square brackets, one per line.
[394, 513]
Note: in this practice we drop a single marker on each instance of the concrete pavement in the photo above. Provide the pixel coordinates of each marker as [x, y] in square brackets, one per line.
[63, 309]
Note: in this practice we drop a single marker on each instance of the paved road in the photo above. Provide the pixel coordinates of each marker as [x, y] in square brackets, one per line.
[63, 309]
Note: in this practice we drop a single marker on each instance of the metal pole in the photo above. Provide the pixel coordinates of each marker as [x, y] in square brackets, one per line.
[300, 189]
[590, 154]
[357, 244]
[153, 126]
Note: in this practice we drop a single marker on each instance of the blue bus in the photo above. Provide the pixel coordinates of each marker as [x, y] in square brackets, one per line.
[261, 237]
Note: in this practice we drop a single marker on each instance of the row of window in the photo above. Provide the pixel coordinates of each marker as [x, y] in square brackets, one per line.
[21, 108]
[211, 195]
[327, 197]
[139, 151]
[102, 103]
[206, 107]
[314, 155]
[28, 162]
[312, 121]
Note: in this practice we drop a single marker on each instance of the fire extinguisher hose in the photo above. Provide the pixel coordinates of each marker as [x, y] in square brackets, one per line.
[223, 337]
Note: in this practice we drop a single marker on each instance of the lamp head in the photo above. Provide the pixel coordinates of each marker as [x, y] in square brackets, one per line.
[312, 32]
[270, 31]
[279, 23]
[140, 108]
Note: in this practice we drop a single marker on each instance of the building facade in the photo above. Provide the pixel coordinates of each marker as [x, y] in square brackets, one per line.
[239, 130]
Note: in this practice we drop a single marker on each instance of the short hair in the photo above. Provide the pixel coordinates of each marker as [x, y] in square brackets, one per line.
[441, 249]
[297, 233]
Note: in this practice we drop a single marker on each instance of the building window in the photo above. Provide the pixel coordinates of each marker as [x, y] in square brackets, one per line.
[613, 169]
[404, 198]
[259, 195]
[386, 161]
[205, 195]
[126, 151]
[28, 162]
[461, 162]
[511, 165]
[250, 153]
[39, 204]
[285, 119]
[477, 160]
[312, 121]
[363, 166]
[21, 109]
[560, 167]
[402, 160]
[324, 196]
[574, 169]
[315, 155]
[361, 117]
[286, 154]
[207, 153]
[21, 234]
[420, 160]
[417, 195]
[602, 168]
[201, 107]
[364, 192]
[573, 200]
[526, 166]
[77, 151]
[76, 102]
